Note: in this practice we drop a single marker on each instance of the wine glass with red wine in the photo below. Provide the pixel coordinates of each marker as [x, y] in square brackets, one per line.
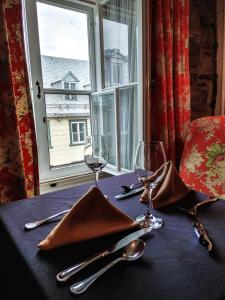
[96, 154]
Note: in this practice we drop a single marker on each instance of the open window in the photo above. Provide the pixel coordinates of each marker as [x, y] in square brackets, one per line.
[85, 76]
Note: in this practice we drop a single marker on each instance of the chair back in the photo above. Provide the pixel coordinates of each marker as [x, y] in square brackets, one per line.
[202, 166]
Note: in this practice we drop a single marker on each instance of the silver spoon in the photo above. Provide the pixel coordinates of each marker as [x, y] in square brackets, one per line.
[132, 251]
[32, 225]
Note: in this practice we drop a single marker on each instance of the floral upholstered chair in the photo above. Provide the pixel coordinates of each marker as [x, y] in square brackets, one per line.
[202, 165]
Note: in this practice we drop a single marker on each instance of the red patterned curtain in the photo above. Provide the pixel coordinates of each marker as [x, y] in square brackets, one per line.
[170, 98]
[18, 150]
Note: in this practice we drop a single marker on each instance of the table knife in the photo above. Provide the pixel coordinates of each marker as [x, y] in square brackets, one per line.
[130, 193]
[67, 273]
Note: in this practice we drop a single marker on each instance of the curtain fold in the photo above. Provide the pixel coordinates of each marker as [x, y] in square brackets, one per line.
[170, 96]
[18, 150]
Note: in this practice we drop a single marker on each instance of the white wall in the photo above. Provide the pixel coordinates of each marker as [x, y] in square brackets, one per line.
[62, 152]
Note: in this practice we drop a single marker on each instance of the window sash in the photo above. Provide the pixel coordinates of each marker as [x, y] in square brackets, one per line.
[119, 128]
[35, 74]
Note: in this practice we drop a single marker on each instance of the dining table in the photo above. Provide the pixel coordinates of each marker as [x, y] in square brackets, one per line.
[174, 265]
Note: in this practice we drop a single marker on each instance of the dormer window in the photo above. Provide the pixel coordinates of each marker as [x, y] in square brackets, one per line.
[70, 86]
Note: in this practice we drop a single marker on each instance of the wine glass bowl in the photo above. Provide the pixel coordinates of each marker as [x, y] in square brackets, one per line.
[150, 168]
[96, 154]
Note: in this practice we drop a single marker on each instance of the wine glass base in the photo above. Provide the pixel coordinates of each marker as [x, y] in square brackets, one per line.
[149, 221]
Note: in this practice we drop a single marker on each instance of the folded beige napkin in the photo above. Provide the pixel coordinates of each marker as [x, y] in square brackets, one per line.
[90, 217]
[169, 190]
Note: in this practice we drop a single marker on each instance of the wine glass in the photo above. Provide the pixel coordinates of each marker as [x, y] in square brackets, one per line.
[96, 154]
[150, 158]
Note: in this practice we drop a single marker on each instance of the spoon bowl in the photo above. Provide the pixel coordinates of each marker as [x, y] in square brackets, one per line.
[131, 252]
[134, 250]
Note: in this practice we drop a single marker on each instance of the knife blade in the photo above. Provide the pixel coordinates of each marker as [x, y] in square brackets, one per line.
[130, 193]
[67, 273]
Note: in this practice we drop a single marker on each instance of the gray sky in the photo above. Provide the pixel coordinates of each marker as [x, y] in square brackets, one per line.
[62, 38]
[66, 34]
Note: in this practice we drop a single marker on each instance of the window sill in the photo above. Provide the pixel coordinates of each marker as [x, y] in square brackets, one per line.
[66, 182]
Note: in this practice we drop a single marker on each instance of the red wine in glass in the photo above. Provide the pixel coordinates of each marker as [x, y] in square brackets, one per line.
[96, 154]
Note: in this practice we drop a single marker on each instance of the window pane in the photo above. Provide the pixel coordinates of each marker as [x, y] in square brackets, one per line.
[72, 86]
[74, 127]
[63, 35]
[66, 85]
[119, 22]
[82, 136]
[65, 118]
[128, 109]
[103, 118]
[75, 138]
[81, 127]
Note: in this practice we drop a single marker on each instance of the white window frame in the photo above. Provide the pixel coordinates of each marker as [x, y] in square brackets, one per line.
[33, 52]
[101, 89]
[35, 75]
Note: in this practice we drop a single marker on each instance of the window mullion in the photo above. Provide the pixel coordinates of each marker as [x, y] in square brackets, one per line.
[117, 128]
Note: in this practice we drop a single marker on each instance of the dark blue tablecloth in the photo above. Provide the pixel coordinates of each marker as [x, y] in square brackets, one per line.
[174, 265]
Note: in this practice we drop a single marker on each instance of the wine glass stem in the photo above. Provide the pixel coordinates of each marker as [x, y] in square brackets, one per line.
[149, 200]
[96, 178]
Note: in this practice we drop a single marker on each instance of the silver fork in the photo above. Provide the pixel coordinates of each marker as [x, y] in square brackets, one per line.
[35, 224]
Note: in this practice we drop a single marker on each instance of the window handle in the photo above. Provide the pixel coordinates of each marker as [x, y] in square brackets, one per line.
[39, 89]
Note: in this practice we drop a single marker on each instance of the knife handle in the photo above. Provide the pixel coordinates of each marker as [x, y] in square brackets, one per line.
[67, 273]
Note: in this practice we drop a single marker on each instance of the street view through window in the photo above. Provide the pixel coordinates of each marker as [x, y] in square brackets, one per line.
[66, 60]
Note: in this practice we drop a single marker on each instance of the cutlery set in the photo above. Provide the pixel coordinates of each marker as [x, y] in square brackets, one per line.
[133, 247]
[199, 228]
[66, 274]
[131, 252]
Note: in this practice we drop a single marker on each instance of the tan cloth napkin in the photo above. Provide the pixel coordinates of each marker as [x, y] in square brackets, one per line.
[169, 190]
[90, 217]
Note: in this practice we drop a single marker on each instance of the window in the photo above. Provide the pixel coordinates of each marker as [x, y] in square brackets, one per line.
[116, 110]
[85, 58]
[70, 86]
[77, 132]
